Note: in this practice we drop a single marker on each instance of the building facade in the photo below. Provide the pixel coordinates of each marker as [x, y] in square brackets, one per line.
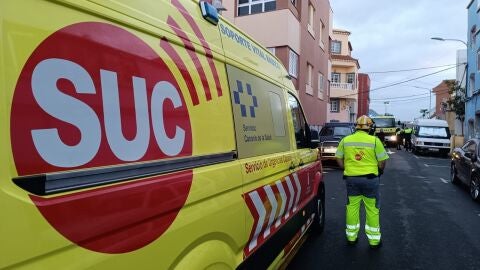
[472, 104]
[363, 94]
[343, 106]
[442, 96]
[298, 33]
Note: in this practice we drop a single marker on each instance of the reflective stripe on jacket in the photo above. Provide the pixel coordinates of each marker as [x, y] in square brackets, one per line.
[360, 153]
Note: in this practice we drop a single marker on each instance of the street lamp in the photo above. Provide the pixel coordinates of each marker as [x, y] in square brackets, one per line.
[386, 103]
[430, 99]
[450, 39]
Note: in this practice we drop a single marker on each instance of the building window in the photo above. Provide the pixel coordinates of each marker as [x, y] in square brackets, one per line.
[351, 78]
[336, 47]
[309, 88]
[320, 36]
[321, 85]
[478, 60]
[311, 16]
[271, 49]
[246, 7]
[473, 36]
[292, 64]
[294, 2]
[334, 105]
[472, 84]
[335, 77]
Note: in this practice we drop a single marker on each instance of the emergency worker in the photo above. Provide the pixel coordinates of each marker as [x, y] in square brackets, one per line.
[362, 158]
[399, 133]
[407, 134]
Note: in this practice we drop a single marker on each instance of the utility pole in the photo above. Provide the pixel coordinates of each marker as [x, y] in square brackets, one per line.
[386, 103]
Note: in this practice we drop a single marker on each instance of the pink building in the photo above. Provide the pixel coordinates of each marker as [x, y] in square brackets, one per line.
[298, 33]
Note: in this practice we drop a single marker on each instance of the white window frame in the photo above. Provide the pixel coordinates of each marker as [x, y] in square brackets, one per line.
[353, 78]
[321, 85]
[271, 49]
[250, 3]
[311, 19]
[320, 36]
[308, 87]
[334, 105]
[339, 77]
[334, 42]
[292, 63]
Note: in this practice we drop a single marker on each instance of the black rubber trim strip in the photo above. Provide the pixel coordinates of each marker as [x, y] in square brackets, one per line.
[50, 183]
[263, 257]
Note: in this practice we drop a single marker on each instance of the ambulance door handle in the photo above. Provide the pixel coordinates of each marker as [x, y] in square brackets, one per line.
[292, 166]
[301, 163]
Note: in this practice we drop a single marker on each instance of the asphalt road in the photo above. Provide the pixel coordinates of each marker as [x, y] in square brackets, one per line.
[426, 222]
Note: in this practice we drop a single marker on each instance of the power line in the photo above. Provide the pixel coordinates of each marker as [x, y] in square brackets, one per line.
[405, 70]
[406, 99]
[398, 83]
[424, 94]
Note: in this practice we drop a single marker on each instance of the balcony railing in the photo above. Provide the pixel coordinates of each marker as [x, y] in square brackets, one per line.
[344, 86]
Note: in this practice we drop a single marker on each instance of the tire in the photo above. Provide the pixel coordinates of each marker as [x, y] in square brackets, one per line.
[453, 175]
[319, 220]
[475, 188]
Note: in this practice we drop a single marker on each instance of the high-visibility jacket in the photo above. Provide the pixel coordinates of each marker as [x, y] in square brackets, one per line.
[360, 153]
[408, 131]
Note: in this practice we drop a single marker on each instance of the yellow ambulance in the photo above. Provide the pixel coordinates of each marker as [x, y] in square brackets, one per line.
[148, 134]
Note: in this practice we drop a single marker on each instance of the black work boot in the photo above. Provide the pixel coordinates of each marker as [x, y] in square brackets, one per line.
[352, 243]
[376, 246]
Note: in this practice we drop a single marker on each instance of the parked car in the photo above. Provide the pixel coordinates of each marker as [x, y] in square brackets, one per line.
[330, 135]
[465, 167]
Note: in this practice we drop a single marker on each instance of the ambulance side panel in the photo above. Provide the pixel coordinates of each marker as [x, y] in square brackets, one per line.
[280, 170]
[117, 138]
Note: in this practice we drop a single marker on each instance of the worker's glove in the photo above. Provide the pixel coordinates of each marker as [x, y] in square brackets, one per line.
[380, 171]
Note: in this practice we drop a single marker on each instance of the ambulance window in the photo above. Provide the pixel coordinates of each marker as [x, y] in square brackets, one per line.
[260, 114]
[276, 106]
[299, 121]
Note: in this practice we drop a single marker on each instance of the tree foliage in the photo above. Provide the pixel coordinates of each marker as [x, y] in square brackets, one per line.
[457, 99]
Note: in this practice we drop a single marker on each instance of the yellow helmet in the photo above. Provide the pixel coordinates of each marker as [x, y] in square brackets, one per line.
[364, 122]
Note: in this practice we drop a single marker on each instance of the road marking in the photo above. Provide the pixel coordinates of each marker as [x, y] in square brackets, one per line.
[416, 157]
[384, 185]
[433, 165]
[390, 152]
[444, 181]
[418, 176]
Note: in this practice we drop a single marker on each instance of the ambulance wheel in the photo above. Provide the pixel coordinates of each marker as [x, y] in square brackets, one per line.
[319, 220]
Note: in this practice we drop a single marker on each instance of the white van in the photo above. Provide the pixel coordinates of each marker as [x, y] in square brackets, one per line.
[431, 135]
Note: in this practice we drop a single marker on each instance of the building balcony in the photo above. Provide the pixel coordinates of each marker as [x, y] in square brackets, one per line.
[343, 86]
[343, 90]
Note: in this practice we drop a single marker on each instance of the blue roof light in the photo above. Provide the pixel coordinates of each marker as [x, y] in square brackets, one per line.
[209, 12]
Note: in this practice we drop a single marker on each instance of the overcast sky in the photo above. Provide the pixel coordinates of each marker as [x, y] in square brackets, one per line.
[395, 35]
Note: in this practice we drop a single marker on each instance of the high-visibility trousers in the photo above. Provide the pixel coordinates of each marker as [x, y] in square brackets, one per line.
[367, 190]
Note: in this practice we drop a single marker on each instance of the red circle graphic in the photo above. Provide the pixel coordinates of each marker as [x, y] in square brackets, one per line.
[120, 218]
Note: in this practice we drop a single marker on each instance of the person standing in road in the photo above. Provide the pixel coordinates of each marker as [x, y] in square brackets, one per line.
[362, 158]
[398, 132]
[407, 134]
